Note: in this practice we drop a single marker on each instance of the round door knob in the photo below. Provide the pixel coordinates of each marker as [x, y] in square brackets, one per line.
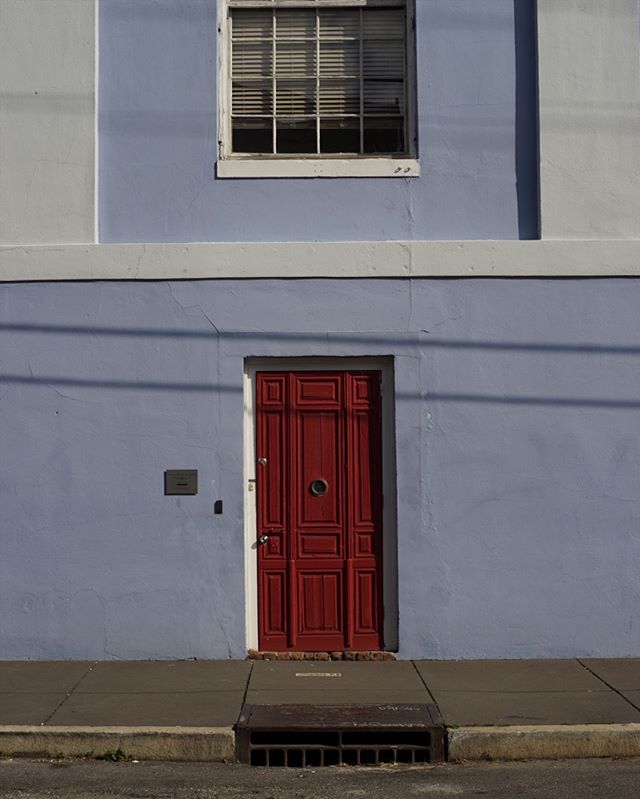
[263, 538]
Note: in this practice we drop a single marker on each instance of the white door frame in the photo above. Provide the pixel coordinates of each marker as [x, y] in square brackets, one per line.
[389, 514]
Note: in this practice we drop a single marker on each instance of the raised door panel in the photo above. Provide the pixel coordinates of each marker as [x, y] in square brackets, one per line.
[274, 603]
[318, 432]
[272, 519]
[364, 456]
[320, 602]
[365, 604]
[365, 509]
[271, 466]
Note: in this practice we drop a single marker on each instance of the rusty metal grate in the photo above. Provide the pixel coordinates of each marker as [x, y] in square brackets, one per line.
[321, 735]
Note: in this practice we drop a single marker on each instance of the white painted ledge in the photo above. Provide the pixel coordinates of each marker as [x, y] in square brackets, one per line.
[318, 168]
[353, 259]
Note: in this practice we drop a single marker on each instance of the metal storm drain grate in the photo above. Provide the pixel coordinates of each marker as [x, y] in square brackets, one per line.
[331, 735]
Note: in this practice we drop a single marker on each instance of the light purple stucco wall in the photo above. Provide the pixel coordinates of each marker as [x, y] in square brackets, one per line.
[518, 460]
[158, 136]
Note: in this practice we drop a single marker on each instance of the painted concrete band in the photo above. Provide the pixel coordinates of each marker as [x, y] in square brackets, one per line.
[544, 742]
[145, 743]
[583, 258]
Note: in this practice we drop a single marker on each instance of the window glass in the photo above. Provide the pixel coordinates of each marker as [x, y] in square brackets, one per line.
[319, 78]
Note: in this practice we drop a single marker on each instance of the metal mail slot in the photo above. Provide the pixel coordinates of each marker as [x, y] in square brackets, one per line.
[180, 481]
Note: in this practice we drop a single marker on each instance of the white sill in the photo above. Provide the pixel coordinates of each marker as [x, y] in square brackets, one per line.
[318, 168]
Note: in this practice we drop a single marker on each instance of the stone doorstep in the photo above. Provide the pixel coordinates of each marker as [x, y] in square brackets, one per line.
[324, 656]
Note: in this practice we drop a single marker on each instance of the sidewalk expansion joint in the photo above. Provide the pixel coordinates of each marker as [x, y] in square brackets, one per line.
[244, 695]
[434, 701]
[73, 688]
[611, 687]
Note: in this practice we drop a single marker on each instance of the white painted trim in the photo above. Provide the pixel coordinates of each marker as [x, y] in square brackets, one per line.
[389, 514]
[365, 259]
[356, 167]
[224, 93]
[96, 134]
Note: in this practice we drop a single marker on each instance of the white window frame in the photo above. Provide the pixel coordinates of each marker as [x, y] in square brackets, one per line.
[235, 165]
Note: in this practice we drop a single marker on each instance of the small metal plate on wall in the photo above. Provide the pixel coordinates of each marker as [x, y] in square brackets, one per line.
[180, 481]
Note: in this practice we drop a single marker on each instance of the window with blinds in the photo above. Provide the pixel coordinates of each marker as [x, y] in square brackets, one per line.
[318, 77]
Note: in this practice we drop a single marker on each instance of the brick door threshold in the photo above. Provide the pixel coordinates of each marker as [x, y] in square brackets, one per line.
[255, 655]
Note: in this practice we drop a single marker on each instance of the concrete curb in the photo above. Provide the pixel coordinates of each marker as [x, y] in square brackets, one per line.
[140, 743]
[543, 742]
[217, 744]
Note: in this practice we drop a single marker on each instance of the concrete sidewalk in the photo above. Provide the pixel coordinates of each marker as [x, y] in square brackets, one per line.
[188, 710]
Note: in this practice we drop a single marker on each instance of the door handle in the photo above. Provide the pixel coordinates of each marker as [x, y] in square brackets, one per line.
[263, 538]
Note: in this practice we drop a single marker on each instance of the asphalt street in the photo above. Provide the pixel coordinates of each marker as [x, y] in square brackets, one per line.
[582, 779]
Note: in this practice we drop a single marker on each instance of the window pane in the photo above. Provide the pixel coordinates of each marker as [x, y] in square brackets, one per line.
[295, 97]
[339, 97]
[383, 97]
[383, 59]
[343, 24]
[252, 24]
[295, 24]
[252, 60]
[251, 97]
[383, 135]
[339, 59]
[340, 136]
[252, 136]
[295, 60]
[383, 23]
[296, 136]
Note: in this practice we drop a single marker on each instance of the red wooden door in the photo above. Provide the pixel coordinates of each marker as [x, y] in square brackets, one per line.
[319, 511]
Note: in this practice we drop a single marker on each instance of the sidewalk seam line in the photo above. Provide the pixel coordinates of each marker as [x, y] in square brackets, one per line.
[244, 695]
[445, 727]
[615, 690]
[73, 688]
[428, 690]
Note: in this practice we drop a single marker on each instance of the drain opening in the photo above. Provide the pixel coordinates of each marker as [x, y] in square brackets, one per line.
[294, 738]
[300, 748]
[385, 738]
[299, 736]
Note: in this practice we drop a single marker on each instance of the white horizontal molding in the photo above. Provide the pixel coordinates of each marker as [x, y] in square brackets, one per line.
[353, 259]
[318, 168]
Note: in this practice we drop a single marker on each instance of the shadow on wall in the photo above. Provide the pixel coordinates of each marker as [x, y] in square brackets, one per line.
[397, 344]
